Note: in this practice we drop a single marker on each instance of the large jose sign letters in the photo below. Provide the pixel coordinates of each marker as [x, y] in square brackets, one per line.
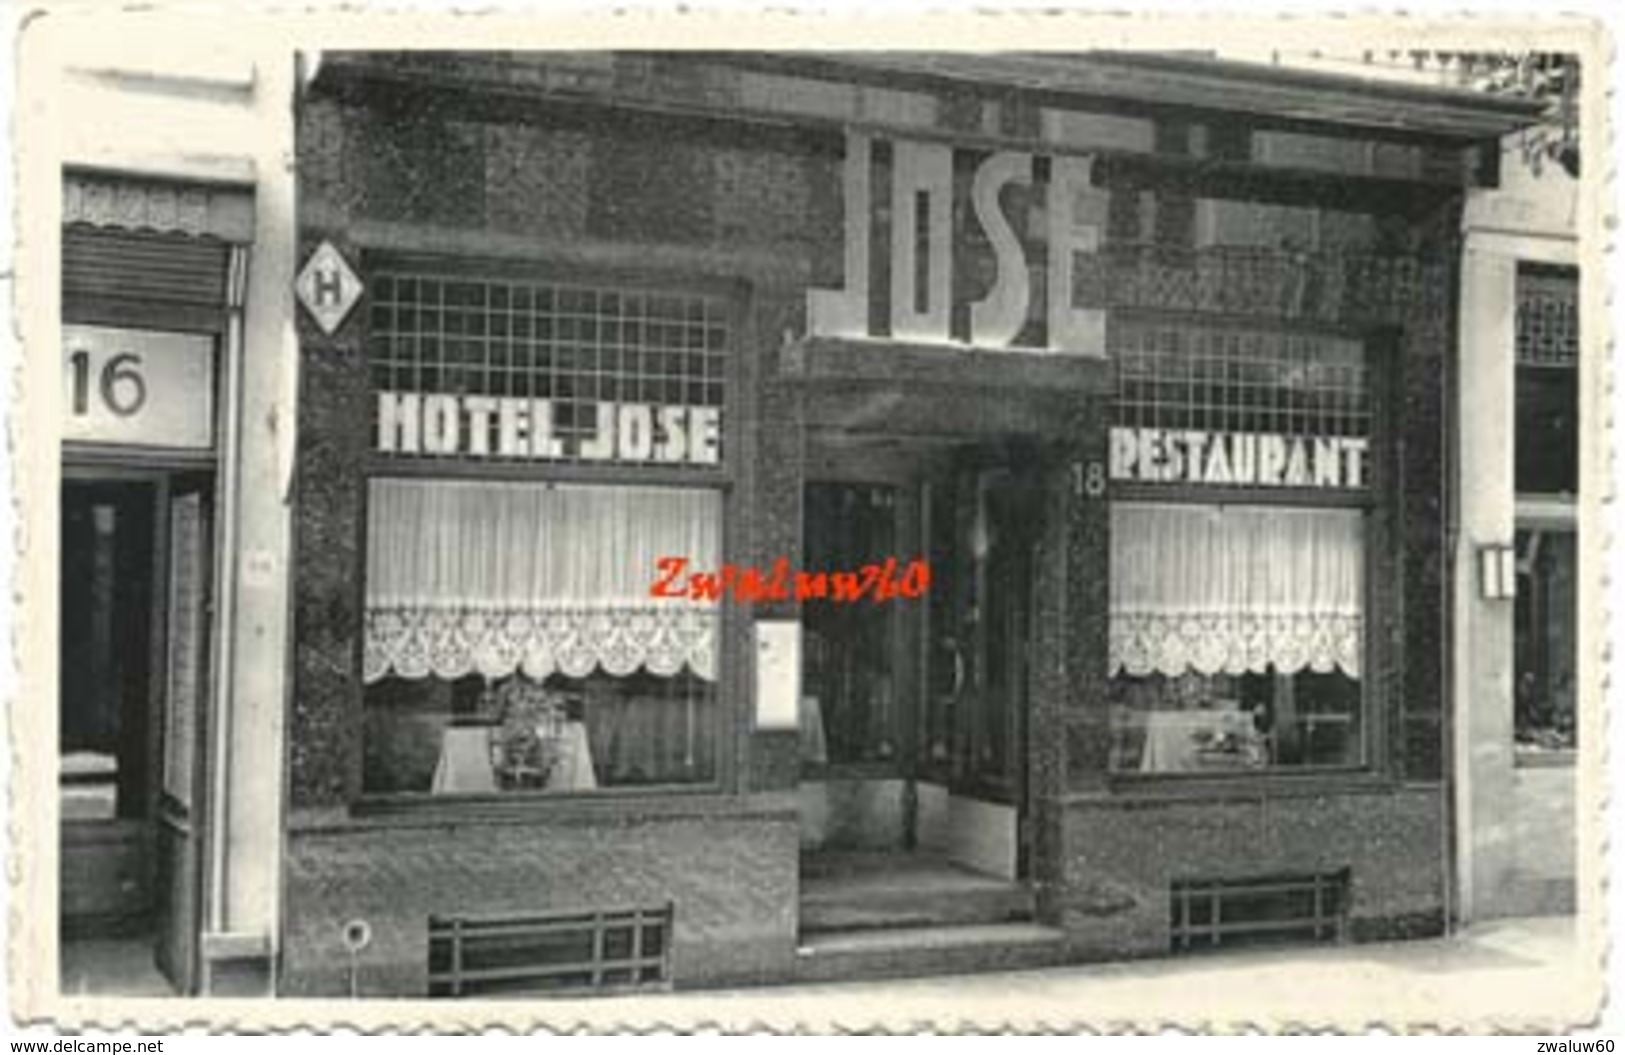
[922, 222]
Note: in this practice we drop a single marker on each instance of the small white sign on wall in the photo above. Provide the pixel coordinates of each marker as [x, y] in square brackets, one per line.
[778, 673]
[147, 388]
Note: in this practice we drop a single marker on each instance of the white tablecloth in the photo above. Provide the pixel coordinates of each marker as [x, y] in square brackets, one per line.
[574, 771]
[465, 761]
[1172, 738]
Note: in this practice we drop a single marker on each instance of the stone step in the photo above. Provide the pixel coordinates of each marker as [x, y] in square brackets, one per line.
[844, 909]
[907, 952]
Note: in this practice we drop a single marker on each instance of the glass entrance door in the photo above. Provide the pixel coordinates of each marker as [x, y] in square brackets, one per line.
[982, 530]
[914, 713]
[854, 651]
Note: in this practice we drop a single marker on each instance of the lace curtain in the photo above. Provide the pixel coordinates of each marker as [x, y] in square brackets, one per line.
[1235, 590]
[473, 577]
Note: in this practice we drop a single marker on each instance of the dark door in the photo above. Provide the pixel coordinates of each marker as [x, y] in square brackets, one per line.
[181, 799]
[105, 653]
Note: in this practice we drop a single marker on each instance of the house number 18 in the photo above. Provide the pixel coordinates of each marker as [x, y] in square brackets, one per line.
[119, 383]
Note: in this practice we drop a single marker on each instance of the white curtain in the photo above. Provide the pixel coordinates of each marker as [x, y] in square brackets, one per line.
[1236, 589]
[476, 577]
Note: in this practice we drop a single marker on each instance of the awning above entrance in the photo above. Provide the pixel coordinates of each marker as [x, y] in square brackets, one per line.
[902, 389]
[816, 359]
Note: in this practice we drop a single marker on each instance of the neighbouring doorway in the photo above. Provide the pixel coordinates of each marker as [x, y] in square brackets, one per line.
[136, 570]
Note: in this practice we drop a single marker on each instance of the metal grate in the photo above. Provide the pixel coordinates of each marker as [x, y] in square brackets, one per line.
[1173, 376]
[1222, 913]
[593, 951]
[1548, 317]
[575, 345]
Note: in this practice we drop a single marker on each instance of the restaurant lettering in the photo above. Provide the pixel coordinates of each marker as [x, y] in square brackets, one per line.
[510, 427]
[1237, 459]
[924, 243]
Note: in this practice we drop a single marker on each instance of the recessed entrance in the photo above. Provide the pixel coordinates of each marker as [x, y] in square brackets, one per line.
[914, 718]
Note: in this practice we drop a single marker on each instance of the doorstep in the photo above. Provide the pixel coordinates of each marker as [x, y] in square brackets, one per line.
[906, 952]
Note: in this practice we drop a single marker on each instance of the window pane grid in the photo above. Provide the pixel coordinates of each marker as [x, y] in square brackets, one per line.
[574, 345]
[1172, 376]
[1548, 319]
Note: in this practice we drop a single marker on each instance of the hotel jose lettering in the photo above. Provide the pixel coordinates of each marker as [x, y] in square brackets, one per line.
[409, 423]
[1034, 215]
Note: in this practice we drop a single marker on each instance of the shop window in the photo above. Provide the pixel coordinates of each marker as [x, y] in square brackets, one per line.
[1547, 473]
[1547, 439]
[1548, 430]
[1241, 467]
[1236, 637]
[1544, 642]
[512, 644]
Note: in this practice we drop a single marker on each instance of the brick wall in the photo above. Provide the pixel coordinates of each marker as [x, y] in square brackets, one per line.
[1122, 854]
[729, 869]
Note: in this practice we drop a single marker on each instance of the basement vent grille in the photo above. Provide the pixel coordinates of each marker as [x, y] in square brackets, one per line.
[521, 955]
[1224, 913]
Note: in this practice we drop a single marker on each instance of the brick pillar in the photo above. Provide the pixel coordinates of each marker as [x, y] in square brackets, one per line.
[771, 488]
[324, 720]
[1086, 559]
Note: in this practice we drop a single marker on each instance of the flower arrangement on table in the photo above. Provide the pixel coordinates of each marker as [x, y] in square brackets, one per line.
[1233, 742]
[527, 739]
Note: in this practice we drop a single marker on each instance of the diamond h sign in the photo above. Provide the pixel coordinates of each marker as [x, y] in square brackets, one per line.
[327, 287]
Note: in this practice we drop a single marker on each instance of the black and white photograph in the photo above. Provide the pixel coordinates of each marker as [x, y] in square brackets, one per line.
[1069, 529]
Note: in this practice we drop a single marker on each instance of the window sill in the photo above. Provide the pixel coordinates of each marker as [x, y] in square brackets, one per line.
[1252, 786]
[633, 804]
[1543, 758]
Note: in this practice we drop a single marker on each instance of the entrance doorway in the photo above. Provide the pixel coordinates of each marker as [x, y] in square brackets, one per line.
[135, 575]
[915, 712]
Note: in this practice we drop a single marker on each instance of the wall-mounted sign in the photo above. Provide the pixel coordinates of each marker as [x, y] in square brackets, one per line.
[511, 427]
[327, 287]
[1237, 459]
[925, 245]
[778, 673]
[143, 387]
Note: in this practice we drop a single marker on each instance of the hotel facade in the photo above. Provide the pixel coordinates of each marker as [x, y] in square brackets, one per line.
[763, 518]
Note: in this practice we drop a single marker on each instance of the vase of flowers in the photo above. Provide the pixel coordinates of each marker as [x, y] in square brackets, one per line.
[526, 741]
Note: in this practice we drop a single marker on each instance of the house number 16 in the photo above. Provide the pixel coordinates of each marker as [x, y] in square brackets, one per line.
[122, 388]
